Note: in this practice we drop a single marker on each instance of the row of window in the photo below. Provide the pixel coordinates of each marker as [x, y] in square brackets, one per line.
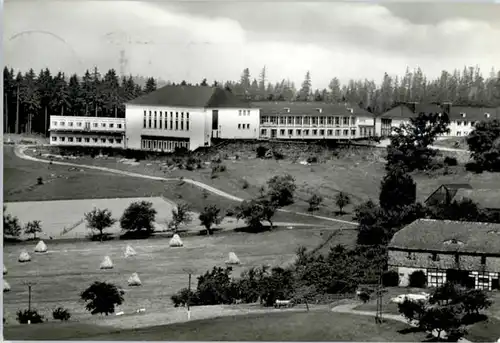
[156, 120]
[86, 140]
[244, 112]
[163, 145]
[314, 132]
[87, 124]
[435, 257]
[244, 126]
[299, 120]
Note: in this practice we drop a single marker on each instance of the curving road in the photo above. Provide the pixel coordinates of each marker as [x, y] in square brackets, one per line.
[19, 151]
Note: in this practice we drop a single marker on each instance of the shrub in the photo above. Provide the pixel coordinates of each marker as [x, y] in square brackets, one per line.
[245, 184]
[39, 181]
[229, 212]
[180, 299]
[473, 167]
[312, 159]
[450, 161]
[261, 151]
[102, 297]
[364, 296]
[61, 314]
[29, 315]
[139, 216]
[390, 278]
[278, 155]
[218, 168]
[418, 279]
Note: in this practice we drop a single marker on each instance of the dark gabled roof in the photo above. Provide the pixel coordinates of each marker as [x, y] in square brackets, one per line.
[448, 236]
[404, 111]
[308, 108]
[191, 96]
[451, 188]
[473, 113]
[457, 185]
[485, 198]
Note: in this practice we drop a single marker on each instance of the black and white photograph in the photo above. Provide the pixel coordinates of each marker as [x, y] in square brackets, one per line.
[251, 171]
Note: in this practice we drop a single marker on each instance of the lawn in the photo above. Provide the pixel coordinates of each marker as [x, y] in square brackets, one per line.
[280, 326]
[485, 331]
[357, 171]
[62, 273]
[68, 183]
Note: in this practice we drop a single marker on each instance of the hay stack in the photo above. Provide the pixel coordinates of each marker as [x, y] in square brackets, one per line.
[233, 259]
[176, 241]
[41, 247]
[134, 280]
[4, 269]
[106, 263]
[6, 286]
[129, 251]
[24, 257]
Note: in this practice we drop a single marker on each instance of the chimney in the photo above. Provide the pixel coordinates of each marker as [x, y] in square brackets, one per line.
[446, 106]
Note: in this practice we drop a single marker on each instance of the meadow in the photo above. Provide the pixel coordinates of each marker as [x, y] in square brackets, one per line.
[355, 170]
[321, 325]
[68, 268]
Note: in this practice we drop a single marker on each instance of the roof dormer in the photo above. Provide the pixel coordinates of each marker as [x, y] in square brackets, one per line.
[486, 115]
[319, 109]
[287, 109]
[463, 114]
[350, 110]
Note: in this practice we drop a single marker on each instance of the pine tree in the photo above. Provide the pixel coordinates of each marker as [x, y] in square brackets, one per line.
[262, 84]
[150, 85]
[76, 101]
[335, 95]
[45, 86]
[60, 99]
[96, 91]
[9, 89]
[87, 92]
[30, 98]
[305, 90]
[111, 93]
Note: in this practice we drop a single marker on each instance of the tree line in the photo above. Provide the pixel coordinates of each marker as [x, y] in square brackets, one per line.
[30, 98]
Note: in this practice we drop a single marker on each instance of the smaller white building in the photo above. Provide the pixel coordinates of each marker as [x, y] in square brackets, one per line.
[87, 131]
[462, 118]
[188, 117]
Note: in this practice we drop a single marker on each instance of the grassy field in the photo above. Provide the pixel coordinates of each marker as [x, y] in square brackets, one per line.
[67, 183]
[67, 268]
[486, 331]
[357, 171]
[280, 326]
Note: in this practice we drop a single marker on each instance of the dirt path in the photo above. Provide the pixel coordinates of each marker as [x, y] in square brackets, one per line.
[19, 151]
[349, 308]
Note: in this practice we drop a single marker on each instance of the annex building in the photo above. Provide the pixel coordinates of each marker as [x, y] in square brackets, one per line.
[462, 118]
[464, 252]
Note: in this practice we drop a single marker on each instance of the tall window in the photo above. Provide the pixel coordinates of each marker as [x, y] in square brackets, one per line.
[161, 119]
[166, 122]
[155, 120]
[144, 126]
[177, 120]
[187, 121]
[171, 120]
[149, 126]
[345, 121]
[182, 120]
[282, 121]
[337, 120]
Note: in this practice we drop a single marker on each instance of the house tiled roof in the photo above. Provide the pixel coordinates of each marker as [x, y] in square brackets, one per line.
[485, 198]
[404, 111]
[191, 96]
[309, 108]
[448, 236]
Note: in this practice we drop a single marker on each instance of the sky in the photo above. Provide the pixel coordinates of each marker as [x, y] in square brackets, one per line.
[192, 40]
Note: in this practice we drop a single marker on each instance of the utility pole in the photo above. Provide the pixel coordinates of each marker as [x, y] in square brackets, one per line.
[189, 297]
[17, 111]
[378, 313]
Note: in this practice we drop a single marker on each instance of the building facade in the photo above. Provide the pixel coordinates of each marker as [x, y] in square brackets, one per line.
[314, 121]
[87, 131]
[187, 117]
[462, 252]
[462, 118]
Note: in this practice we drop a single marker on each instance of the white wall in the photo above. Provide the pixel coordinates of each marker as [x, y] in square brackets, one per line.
[404, 275]
[77, 123]
[134, 125]
[75, 139]
[230, 118]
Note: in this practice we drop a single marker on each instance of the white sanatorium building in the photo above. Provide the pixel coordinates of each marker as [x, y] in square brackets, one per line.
[192, 116]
